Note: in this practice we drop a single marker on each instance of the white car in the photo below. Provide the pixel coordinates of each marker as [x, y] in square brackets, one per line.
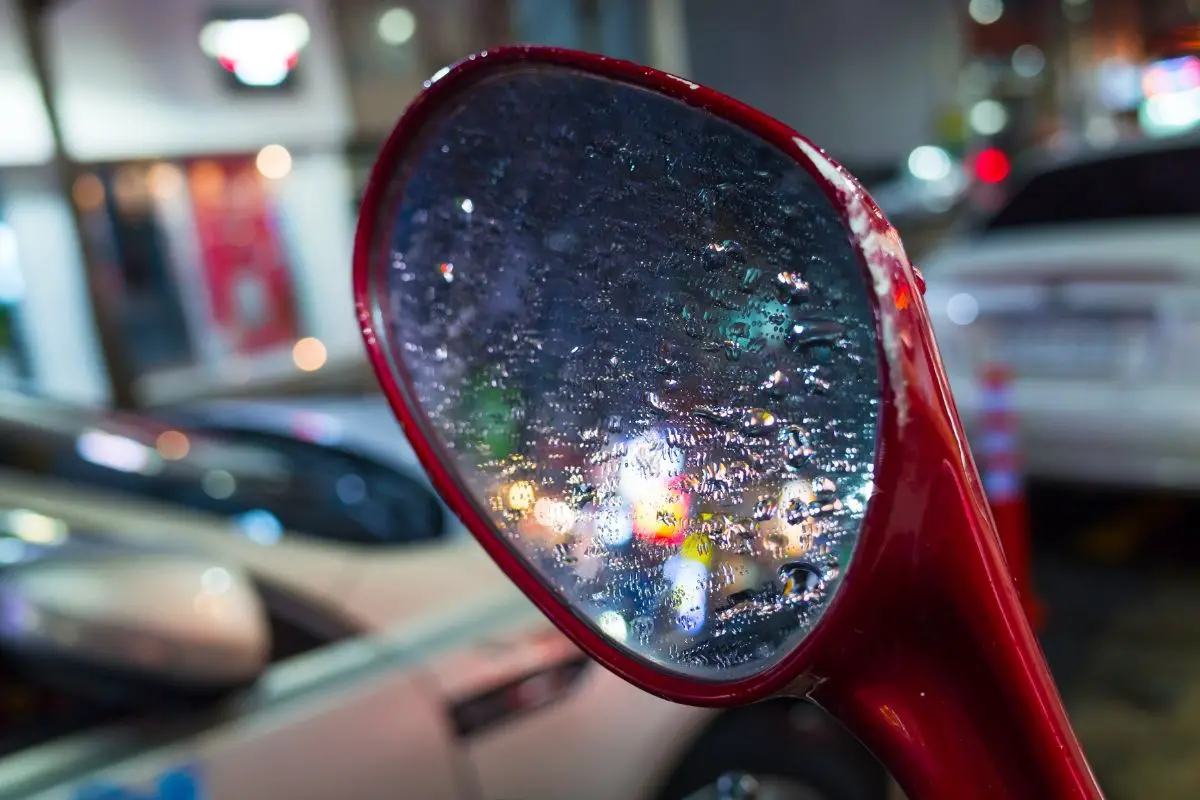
[1085, 284]
[402, 665]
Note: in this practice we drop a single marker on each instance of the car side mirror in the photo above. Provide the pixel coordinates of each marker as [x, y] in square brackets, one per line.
[671, 366]
[129, 628]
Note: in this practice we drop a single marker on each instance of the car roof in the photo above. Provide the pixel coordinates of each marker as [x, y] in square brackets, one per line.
[1043, 160]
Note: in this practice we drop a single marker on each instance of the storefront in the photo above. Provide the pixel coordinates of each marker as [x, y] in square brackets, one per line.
[14, 357]
[224, 259]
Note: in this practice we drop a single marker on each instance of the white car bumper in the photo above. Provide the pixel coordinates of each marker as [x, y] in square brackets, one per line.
[1145, 436]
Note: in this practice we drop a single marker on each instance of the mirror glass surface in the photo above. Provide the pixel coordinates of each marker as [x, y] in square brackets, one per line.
[642, 338]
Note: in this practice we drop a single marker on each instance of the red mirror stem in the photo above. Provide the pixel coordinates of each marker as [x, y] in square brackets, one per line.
[952, 693]
[940, 674]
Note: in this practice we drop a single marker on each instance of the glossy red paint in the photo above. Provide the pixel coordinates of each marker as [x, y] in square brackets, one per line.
[924, 652]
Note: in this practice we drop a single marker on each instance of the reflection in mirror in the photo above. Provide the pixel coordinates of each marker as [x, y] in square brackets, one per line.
[644, 339]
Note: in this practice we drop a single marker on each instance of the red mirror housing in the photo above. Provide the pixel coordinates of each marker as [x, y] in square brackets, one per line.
[917, 642]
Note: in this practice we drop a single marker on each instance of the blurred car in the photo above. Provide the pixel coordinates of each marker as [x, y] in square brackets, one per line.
[930, 184]
[1084, 282]
[401, 661]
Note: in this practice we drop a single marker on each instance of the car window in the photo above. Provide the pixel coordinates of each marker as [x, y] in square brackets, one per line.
[264, 485]
[337, 486]
[1151, 185]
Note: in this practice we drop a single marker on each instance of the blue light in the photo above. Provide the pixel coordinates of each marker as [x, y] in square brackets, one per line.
[260, 526]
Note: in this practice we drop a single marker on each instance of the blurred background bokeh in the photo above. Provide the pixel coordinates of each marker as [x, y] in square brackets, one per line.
[179, 183]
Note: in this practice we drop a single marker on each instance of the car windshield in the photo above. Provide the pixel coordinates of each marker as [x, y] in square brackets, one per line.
[262, 488]
[1138, 186]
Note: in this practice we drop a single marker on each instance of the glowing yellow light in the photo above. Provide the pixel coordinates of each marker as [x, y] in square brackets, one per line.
[697, 547]
[172, 445]
[274, 161]
[660, 515]
[309, 354]
[521, 496]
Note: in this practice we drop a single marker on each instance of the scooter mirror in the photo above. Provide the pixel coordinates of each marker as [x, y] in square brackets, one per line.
[670, 365]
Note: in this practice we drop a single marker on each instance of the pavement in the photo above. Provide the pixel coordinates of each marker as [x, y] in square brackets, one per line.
[1120, 573]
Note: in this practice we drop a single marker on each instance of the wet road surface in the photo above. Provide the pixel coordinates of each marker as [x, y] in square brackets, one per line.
[1120, 573]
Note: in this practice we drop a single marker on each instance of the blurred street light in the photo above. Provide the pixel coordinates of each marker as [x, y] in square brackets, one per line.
[396, 26]
[274, 162]
[1028, 61]
[309, 354]
[988, 117]
[929, 163]
[986, 12]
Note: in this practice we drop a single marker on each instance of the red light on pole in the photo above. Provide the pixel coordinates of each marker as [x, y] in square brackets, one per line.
[991, 165]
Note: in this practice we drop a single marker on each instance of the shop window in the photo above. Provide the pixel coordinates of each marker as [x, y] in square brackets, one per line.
[14, 358]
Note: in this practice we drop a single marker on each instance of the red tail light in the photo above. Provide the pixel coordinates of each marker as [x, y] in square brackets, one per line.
[991, 165]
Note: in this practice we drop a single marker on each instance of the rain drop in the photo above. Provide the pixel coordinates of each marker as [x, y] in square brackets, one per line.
[791, 288]
[692, 320]
[715, 414]
[582, 494]
[750, 278]
[806, 334]
[719, 255]
[776, 384]
[743, 529]
[799, 578]
[758, 422]
[799, 510]
[797, 449]
[765, 509]
[825, 490]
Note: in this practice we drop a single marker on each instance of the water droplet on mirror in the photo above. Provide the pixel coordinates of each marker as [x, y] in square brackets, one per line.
[758, 422]
[726, 299]
[790, 287]
[720, 255]
[740, 528]
[825, 490]
[797, 449]
[692, 321]
[765, 509]
[799, 509]
[776, 384]
[715, 414]
[677, 451]
[799, 578]
[750, 279]
[816, 384]
[581, 494]
[806, 334]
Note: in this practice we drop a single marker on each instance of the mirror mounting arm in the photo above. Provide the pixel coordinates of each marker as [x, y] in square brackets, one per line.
[913, 692]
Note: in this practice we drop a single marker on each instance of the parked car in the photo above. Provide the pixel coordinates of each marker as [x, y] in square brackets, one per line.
[1085, 284]
[398, 660]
